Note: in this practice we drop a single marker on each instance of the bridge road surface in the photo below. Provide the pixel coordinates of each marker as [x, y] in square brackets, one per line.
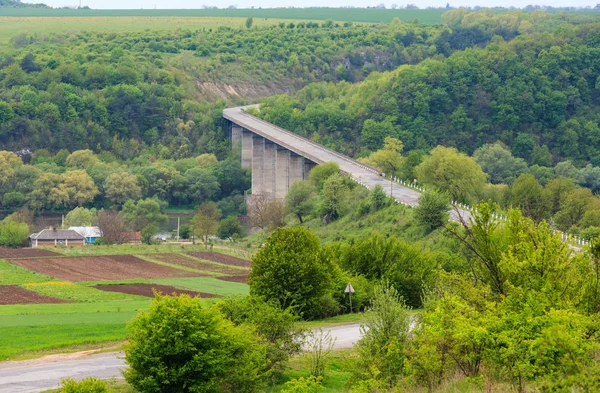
[319, 154]
[38, 375]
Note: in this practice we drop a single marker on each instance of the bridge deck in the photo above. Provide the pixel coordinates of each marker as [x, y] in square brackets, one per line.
[319, 154]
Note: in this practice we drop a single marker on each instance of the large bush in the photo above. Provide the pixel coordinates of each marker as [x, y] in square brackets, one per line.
[293, 270]
[177, 346]
[13, 234]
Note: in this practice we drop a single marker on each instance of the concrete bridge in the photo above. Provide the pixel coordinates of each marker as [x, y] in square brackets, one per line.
[278, 158]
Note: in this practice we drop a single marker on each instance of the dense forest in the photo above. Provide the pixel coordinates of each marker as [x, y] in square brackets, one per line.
[538, 92]
[121, 92]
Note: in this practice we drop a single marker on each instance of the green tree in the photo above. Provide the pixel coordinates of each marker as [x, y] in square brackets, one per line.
[76, 189]
[432, 211]
[142, 213]
[13, 234]
[377, 198]
[572, 210]
[81, 159]
[249, 22]
[230, 228]
[293, 270]
[206, 221]
[13, 199]
[556, 192]
[319, 174]
[451, 171]
[276, 326]
[80, 216]
[384, 338]
[389, 160]
[377, 257]
[497, 161]
[528, 195]
[179, 346]
[334, 197]
[120, 187]
[300, 199]
[147, 233]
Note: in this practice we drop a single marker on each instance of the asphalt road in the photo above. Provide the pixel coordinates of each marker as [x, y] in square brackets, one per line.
[38, 375]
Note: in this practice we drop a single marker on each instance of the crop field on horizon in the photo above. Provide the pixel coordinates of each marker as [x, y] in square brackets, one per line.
[367, 15]
[10, 26]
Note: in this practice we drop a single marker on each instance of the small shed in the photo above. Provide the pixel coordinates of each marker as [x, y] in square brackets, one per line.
[53, 237]
[91, 234]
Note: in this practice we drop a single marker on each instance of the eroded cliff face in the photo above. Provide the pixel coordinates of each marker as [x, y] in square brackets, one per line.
[213, 91]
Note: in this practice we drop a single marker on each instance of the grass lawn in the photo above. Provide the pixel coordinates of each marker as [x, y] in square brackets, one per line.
[28, 329]
[334, 321]
[206, 284]
[15, 275]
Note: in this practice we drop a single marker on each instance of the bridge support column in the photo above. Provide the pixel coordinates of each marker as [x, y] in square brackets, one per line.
[282, 166]
[269, 168]
[295, 168]
[308, 165]
[247, 148]
[258, 146]
[236, 135]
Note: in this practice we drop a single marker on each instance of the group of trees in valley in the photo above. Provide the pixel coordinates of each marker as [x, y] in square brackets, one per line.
[537, 94]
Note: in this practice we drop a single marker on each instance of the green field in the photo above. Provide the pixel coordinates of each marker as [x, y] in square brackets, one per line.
[95, 317]
[10, 26]
[371, 15]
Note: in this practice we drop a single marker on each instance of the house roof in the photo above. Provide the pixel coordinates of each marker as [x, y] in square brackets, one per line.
[87, 231]
[57, 234]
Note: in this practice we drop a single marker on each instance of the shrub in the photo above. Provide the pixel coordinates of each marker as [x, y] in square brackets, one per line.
[179, 346]
[13, 234]
[432, 211]
[293, 270]
[87, 385]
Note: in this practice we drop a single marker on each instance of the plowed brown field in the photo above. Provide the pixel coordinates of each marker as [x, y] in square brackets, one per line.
[148, 290]
[243, 278]
[25, 253]
[12, 294]
[115, 267]
[221, 258]
[193, 263]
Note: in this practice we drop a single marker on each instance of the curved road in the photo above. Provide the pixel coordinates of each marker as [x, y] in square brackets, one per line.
[38, 375]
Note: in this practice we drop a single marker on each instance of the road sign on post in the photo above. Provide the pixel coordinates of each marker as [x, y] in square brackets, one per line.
[349, 290]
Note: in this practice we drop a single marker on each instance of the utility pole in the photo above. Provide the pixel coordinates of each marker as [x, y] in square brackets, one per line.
[178, 222]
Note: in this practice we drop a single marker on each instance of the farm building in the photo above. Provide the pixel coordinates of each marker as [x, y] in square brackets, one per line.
[91, 234]
[50, 237]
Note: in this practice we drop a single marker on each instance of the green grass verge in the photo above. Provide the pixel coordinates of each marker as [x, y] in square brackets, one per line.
[78, 293]
[7, 313]
[344, 319]
[207, 284]
[15, 275]
[18, 341]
